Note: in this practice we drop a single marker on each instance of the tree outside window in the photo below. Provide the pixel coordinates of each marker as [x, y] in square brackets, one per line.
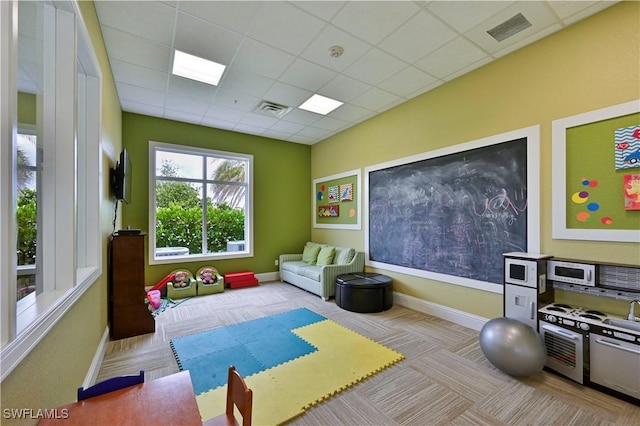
[200, 202]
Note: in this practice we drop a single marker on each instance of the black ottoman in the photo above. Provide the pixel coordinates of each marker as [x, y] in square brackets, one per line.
[364, 292]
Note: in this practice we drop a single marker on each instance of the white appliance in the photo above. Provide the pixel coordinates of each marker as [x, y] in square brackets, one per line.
[525, 286]
[572, 272]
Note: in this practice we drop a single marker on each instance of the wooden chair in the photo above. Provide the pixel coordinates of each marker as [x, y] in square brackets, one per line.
[110, 385]
[238, 395]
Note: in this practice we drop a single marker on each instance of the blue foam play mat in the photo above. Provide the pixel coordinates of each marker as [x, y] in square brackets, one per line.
[251, 346]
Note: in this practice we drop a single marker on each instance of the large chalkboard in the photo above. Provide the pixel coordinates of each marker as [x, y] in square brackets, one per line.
[454, 214]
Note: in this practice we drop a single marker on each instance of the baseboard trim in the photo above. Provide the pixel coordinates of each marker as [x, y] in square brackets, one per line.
[466, 319]
[268, 276]
[94, 368]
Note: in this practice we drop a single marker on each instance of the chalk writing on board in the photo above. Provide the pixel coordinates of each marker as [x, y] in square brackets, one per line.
[455, 214]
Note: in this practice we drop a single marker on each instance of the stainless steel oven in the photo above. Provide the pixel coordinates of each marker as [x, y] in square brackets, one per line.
[565, 351]
[615, 359]
[565, 331]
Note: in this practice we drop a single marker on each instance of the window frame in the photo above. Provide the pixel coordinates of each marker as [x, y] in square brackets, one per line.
[68, 279]
[155, 146]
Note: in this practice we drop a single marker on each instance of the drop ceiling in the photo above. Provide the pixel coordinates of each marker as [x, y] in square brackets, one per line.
[280, 52]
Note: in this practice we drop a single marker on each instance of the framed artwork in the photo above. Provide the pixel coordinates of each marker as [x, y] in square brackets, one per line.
[336, 201]
[592, 153]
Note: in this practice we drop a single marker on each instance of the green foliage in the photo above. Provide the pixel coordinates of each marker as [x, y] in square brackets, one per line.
[182, 227]
[27, 227]
[179, 194]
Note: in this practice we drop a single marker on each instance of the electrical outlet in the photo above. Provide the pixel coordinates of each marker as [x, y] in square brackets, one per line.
[275, 262]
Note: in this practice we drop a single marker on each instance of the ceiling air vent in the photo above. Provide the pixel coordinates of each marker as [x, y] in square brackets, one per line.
[510, 27]
[272, 109]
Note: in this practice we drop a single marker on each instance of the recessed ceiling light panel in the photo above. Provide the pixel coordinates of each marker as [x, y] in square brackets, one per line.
[196, 68]
[320, 104]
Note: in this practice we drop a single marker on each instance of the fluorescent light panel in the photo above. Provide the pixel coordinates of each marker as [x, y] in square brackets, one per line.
[320, 104]
[196, 68]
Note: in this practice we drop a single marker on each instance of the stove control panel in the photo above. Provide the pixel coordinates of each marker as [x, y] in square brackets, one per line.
[553, 319]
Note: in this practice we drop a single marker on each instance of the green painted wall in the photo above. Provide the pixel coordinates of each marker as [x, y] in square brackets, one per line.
[590, 65]
[282, 188]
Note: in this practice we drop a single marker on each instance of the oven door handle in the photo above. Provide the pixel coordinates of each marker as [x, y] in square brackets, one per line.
[564, 333]
[616, 346]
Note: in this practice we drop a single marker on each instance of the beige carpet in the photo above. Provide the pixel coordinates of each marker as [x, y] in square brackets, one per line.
[443, 380]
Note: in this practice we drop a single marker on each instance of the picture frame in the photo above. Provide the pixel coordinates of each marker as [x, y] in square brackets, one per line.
[342, 191]
[560, 192]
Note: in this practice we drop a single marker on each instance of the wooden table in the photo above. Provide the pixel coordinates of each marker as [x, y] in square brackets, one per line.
[169, 400]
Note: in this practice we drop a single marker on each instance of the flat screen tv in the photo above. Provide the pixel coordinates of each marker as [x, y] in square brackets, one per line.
[121, 178]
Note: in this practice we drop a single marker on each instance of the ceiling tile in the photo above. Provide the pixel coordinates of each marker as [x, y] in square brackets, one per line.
[136, 50]
[374, 67]
[331, 123]
[279, 51]
[234, 15]
[186, 105]
[220, 112]
[450, 58]
[191, 88]
[140, 95]
[344, 88]
[375, 99]
[303, 73]
[421, 35]
[285, 27]
[352, 113]
[407, 81]
[464, 15]
[151, 20]
[286, 94]
[262, 59]
[183, 116]
[318, 50]
[372, 21]
[209, 41]
[138, 108]
[245, 82]
[235, 100]
[322, 9]
[136, 75]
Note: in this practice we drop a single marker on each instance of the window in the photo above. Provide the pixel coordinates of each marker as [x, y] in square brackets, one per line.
[200, 204]
[50, 240]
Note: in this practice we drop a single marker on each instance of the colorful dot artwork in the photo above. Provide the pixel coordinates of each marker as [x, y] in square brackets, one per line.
[582, 197]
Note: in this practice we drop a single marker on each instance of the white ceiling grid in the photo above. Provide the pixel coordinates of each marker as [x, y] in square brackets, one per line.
[278, 51]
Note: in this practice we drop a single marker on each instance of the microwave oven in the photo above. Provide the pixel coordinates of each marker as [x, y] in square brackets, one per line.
[572, 272]
[524, 269]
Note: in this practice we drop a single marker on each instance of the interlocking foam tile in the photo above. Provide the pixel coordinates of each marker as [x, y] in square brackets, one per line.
[251, 346]
[283, 392]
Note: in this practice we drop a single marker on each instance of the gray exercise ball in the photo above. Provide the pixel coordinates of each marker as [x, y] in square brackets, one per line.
[513, 346]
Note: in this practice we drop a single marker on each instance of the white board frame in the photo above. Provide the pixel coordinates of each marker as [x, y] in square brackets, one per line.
[532, 134]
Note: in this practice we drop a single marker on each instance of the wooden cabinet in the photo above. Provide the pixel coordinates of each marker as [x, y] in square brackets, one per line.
[128, 314]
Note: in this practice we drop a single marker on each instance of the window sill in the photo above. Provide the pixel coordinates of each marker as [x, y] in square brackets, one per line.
[163, 260]
[35, 320]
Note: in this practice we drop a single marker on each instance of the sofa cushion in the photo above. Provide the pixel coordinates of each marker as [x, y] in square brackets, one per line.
[293, 266]
[311, 271]
[326, 255]
[343, 255]
[310, 254]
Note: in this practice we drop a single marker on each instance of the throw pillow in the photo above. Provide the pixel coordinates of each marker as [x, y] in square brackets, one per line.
[325, 257]
[310, 254]
[344, 256]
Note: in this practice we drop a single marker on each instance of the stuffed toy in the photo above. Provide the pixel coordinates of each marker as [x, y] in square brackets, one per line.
[208, 276]
[181, 279]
